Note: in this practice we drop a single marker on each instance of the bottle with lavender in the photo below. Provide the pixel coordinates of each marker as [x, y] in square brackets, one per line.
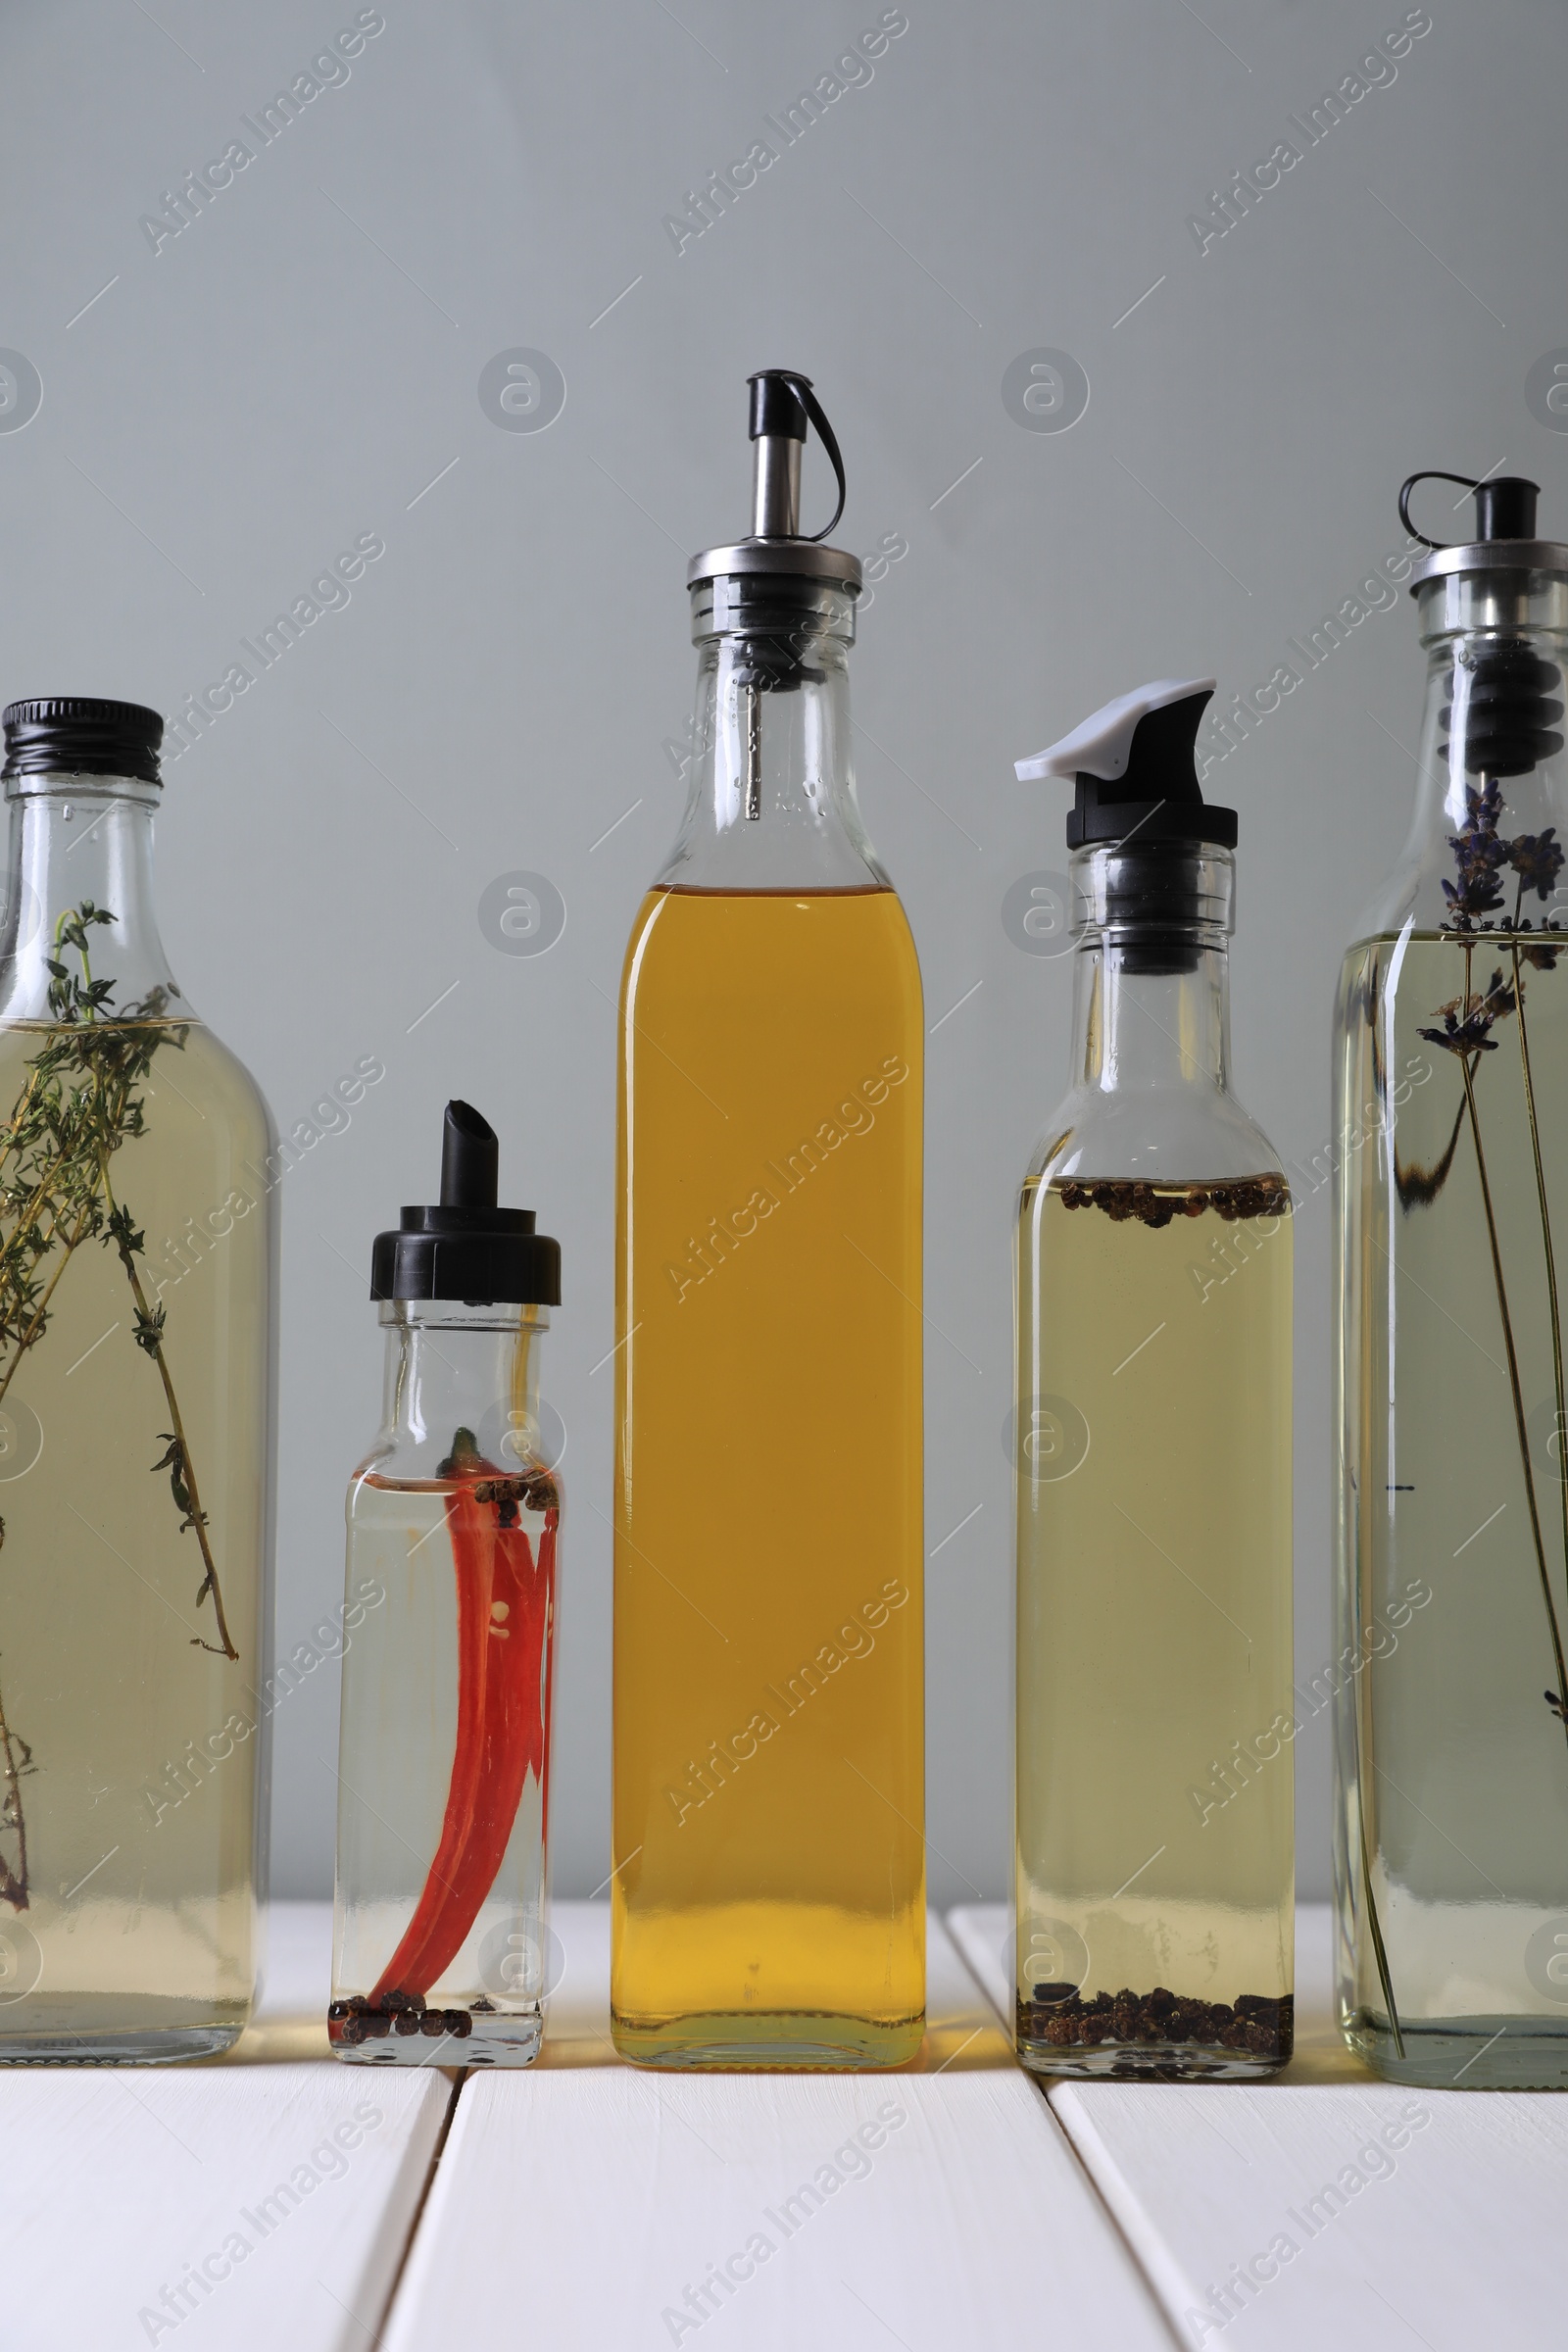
[1452, 1121]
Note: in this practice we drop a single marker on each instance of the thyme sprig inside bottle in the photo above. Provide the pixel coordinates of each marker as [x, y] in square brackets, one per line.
[1154, 1845]
[76, 1107]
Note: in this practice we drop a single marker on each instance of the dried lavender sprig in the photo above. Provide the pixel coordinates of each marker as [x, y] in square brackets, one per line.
[1543, 877]
[1467, 1067]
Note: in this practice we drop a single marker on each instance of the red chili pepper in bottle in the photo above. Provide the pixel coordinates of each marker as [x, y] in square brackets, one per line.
[504, 1607]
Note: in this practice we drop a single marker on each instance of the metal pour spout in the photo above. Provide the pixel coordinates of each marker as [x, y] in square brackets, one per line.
[784, 410]
[783, 406]
[778, 435]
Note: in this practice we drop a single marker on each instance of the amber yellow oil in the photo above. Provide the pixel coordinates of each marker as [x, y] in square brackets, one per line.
[770, 1881]
[1154, 1792]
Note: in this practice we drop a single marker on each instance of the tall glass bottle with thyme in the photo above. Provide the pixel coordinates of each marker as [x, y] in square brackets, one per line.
[1154, 1802]
[1451, 1233]
[768, 1889]
[440, 1937]
[135, 1433]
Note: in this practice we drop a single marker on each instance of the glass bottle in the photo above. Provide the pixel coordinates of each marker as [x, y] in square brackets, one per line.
[440, 1932]
[136, 1408]
[1452, 1138]
[1155, 1794]
[768, 1892]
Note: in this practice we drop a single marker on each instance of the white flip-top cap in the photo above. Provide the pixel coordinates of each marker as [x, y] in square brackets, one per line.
[1103, 745]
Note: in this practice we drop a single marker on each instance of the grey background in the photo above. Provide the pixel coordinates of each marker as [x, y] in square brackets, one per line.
[297, 365]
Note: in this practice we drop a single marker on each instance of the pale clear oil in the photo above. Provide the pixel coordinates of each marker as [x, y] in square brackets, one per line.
[1452, 1830]
[397, 1748]
[1154, 1795]
[132, 1755]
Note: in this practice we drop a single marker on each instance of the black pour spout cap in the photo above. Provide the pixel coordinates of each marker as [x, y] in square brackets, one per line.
[464, 1246]
[1134, 767]
[1506, 506]
[79, 735]
[778, 404]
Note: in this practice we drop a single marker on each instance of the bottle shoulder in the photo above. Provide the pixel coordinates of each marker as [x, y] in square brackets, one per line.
[235, 1084]
[805, 860]
[1154, 1136]
[184, 1077]
[835, 940]
[399, 1469]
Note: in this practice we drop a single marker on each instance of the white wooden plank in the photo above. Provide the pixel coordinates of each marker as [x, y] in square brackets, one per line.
[983, 1934]
[599, 2206]
[218, 2206]
[1358, 2216]
[1323, 2206]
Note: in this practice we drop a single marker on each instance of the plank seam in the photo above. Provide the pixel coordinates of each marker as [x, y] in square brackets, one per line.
[460, 2076]
[1064, 2131]
[1166, 2321]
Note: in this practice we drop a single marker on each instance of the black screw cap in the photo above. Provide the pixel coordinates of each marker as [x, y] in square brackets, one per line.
[72, 734]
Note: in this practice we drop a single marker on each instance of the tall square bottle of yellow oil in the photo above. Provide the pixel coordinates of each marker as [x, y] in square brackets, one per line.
[769, 1879]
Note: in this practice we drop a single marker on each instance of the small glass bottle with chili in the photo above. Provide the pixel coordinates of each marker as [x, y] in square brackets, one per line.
[439, 1933]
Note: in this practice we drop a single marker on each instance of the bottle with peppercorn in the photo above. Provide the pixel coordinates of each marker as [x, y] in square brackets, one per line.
[440, 1933]
[1155, 1805]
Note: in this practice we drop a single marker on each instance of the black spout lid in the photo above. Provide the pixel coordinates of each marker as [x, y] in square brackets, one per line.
[1505, 506]
[1133, 764]
[784, 406]
[1505, 537]
[778, 406]
[466, 1247]
[76, 734]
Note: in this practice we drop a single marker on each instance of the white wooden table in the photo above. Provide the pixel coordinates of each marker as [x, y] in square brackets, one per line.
[282, 2199]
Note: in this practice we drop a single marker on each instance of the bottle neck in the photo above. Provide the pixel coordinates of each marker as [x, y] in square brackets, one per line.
[452, 1368]
[1151, 986]
[1492, 753]
[79, 842]
[771, 803]
[1142, 1031]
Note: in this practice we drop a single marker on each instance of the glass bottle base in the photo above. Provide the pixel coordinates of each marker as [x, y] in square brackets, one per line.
[1148, 2061]
[406, 2036]
[1466, 2053]
[740, 2042]
[1156, 2036]
[151, 2048]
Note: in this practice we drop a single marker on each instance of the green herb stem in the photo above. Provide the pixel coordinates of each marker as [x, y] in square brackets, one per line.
[14, 1883]
[149, 1332]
